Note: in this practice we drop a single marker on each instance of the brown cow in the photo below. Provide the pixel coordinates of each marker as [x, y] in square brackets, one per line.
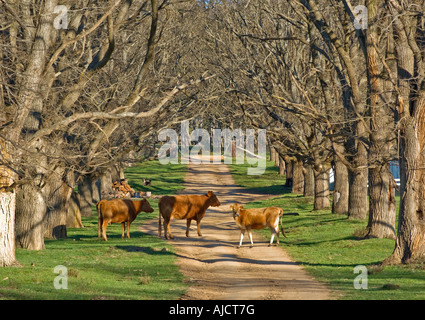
[190, 207]
[119, 211]
[257, 218]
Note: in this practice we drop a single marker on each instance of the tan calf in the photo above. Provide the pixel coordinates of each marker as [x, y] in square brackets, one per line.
[257, 218]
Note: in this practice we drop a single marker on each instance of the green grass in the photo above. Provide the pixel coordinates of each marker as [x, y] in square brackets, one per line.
[269, 183]
[166, 179]
[326, 245]
[135, 268]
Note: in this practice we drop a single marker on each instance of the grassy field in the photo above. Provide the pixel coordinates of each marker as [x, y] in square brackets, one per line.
[166, 179]
[327, 247]
[142, 267]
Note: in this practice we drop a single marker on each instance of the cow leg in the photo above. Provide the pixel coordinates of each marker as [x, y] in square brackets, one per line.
[277, 236]
[188, 222]
[123, 229]
[250, 238]
[272, 238]
[159, 224]
[104, 225]
[240, 241]
[276, 231]
[198, 224]
[167, 229]
[99, 227]
[128, 229]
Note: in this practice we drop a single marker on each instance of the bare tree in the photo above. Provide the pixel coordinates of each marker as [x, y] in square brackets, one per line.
[275, 85]
[345, 58]
[382, 140]
[78, 100]
[407, 24]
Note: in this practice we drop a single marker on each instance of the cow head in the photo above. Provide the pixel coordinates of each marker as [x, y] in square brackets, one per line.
[146, 207]
[236, 209]
[213, 199]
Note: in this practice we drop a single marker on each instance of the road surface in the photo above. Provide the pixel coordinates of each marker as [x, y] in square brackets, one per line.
[214, 265]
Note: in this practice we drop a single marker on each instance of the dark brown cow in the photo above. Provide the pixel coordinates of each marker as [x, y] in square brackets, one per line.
[190, 207]
[119, 211]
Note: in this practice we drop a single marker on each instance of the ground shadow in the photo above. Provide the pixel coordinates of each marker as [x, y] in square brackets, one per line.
[147, 250]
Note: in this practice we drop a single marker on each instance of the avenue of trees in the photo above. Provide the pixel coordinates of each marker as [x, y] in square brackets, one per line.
[87, 85]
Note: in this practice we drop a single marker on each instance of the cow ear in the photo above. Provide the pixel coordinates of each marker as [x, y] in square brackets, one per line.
[241, 206]
[209, 193]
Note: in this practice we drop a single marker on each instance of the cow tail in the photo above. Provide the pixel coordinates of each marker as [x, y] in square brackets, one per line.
[159, 219]
[281, 222]
[99, 219]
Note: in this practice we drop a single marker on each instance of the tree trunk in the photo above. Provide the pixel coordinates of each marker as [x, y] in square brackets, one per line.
[88, 192]
[117, 172]
[341, 185]
[96, 189]
[7, 210]
[30, 206]
[382, 208]
[382, 203]
[30, 212]
[234, 149]
[281, 166]
[273, 154]
[276, 158]
[297, 177]
[308, 180]
[357, 176]
[340, 192]
[289, 172]
[7, 229]
[106, 183]
[357, 196]
[58, 195]
[321, 188]
[410, 242]
[73, 217]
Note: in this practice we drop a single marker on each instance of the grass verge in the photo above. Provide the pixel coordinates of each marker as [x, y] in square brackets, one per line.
[142, 267]
[326, 245]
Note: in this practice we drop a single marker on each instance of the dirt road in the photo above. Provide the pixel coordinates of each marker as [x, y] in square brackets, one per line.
[220, 271]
